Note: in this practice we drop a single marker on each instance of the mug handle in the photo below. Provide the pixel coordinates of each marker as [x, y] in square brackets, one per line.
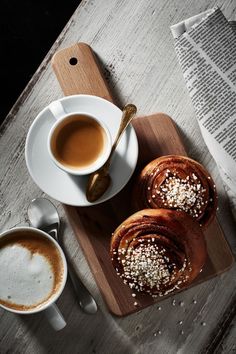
[54, 317]
[57, 109]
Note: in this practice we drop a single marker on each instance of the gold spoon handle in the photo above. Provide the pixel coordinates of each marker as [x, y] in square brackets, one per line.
[128, 113]
[99, 181]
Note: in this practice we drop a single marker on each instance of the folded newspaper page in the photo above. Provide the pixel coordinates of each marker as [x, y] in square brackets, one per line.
[206, 48]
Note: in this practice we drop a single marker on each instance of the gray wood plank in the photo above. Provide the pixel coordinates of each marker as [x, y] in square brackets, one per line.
[134, 43]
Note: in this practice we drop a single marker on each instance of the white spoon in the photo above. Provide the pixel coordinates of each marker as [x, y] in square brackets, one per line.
[44, 216]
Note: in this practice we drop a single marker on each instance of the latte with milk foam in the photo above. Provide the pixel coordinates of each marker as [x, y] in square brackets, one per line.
[31, 270]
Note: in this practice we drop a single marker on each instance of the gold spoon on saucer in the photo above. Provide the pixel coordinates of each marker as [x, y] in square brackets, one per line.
[100, 180]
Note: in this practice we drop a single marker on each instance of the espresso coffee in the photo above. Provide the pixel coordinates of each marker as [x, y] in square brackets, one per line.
[78, 141]
[31, 270]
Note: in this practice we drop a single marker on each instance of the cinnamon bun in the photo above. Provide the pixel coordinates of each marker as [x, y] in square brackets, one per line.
[179, 183]
[157, 251]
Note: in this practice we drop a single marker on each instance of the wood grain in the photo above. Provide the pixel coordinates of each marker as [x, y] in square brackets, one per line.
[78, 64]
[134, 44]
[157, 136]
[93, 226]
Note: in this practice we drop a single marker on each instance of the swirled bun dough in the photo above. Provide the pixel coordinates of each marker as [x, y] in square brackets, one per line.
[158, 250]
[178, 183]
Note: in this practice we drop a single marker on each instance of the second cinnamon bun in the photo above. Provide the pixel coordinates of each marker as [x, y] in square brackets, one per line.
[177, 182]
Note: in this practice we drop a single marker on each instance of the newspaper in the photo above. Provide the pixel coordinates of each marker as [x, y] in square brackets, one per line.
[206, 49]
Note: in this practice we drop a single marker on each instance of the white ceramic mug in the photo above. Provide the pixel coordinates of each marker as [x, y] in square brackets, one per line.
[61, 117]
[49, 307]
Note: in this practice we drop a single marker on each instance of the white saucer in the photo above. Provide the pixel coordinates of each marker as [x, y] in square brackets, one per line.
[70, 189]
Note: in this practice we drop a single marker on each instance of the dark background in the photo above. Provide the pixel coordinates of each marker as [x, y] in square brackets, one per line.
[28, 29]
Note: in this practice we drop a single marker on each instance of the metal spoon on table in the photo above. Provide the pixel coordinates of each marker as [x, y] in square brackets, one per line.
[100, 180]
[44, 216]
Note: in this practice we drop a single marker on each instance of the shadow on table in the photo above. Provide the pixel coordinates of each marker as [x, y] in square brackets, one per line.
[83, 333]
[108, 73]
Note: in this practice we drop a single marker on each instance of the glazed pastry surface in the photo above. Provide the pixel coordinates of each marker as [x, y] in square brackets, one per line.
[158, 250]
[179, 183]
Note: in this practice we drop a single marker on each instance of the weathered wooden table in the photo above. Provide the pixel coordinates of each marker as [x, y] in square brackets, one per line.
[134, 43]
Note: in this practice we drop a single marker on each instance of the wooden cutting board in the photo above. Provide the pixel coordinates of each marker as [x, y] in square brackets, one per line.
[78, 72]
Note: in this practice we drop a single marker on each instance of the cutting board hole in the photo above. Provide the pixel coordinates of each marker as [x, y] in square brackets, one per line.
[73, 61]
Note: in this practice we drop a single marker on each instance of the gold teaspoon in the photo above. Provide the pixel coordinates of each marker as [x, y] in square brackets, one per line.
[100, 180]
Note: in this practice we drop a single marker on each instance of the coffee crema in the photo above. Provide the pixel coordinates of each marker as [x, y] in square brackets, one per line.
[78, 142]
[31, 270]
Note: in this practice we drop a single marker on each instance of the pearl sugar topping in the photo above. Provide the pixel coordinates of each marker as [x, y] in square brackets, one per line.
[148, 266]
[183, 194]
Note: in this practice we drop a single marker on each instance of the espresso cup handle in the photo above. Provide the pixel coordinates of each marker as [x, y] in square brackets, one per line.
[57, 109]
[54, 317]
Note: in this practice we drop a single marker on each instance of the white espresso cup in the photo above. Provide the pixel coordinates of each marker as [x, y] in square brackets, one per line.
[33, 273]
[78, 143]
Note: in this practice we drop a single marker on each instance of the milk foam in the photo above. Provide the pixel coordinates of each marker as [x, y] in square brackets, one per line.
[25, 278]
